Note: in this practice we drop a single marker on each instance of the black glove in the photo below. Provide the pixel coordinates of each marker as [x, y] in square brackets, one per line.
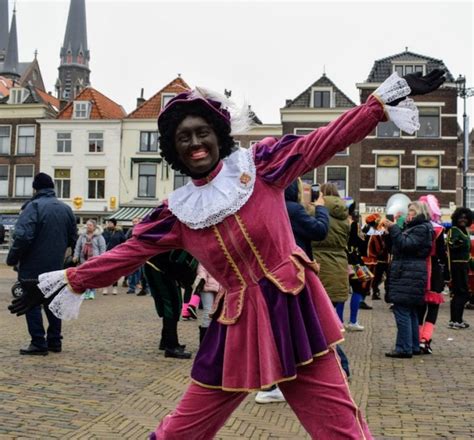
[421, 85]
[31, 297]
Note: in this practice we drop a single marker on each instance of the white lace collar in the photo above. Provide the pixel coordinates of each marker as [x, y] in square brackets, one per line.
[199, 207]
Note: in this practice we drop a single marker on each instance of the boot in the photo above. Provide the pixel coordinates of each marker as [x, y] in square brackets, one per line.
[193, 305]
[202, 333]
[170, 340]
[184, 312]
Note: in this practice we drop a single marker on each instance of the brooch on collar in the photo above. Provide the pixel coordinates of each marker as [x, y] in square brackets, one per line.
[245, 179]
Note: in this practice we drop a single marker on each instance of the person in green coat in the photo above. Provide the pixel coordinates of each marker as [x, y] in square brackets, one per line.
[331, 252]
[332, 257]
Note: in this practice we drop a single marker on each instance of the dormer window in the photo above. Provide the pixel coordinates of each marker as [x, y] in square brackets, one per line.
[81, 109]
[17, 95]
[322, 97]
[405, 69]
[165, 98]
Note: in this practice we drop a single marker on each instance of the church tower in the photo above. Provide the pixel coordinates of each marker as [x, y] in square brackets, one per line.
[10, 67]
[74, 64]
[3, 29]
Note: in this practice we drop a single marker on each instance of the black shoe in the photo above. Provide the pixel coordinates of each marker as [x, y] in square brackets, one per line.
[399, 355]
[364, 306]
[469, 306]
[162, 345]
[177, 353]
[55, 349]
[193, 312]
[376, 297]
[34, 350]
[417, 353]
[141, 293]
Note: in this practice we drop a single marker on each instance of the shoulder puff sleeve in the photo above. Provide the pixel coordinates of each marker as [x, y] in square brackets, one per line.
[157, 233]
[279, 162]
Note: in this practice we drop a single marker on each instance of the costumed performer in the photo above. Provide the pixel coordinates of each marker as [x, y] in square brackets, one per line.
[273, 321]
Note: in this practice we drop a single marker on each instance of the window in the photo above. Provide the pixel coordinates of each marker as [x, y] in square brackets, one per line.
[180, 179]
[146, 180]
[96, 184]
[24, 180]
[96, 142]
[4, 139]
[237, 144]
[427, 173]
[81, 109]
[148, 141]
[405, 69]
[388, 172]
[470, 192]
[338, 176]
[387, 130]
[429, 122]
[3, 180]
[165, 98]
[62, 183]
[26, 139]
[63, 142]
[165, 170]
[321, 99]
[17, 96]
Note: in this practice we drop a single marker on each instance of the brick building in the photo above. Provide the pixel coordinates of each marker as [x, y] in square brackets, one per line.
[316, 106]
[426, 162]
[20, 145]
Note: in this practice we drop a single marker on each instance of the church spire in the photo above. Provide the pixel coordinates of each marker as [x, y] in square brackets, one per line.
[3, 29]
[74, 56]
[10, 66]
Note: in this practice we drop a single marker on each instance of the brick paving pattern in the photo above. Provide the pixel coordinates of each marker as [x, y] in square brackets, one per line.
[111, 382]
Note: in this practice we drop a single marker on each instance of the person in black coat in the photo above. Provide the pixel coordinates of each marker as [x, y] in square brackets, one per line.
[113, 236]
[408, 276]
[306, 228]
[45, 229]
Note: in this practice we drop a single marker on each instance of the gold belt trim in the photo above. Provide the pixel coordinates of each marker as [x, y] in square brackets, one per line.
[262, 265]
[223, 317]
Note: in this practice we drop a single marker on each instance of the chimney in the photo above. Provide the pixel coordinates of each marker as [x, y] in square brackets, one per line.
[141, 99]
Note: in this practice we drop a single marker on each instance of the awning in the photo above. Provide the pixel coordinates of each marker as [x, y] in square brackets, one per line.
[128, 213]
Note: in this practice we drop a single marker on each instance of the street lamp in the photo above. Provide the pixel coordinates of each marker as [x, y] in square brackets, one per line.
[464, 93]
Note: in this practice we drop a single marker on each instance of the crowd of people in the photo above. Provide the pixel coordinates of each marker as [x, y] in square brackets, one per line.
[272, 269]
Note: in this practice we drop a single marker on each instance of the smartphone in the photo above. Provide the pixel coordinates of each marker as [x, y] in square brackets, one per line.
[389, 217]
[314, 192]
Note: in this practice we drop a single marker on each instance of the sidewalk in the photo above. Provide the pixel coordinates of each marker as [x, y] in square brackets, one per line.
[111, 382]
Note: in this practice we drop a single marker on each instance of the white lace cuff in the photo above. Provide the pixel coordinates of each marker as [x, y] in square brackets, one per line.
[404, 116]
[392, 88]
[51, 282]
[66, 304]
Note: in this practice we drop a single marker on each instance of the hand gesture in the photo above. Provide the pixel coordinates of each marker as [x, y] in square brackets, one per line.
[421, 85]
[320, 201]
[31, 298]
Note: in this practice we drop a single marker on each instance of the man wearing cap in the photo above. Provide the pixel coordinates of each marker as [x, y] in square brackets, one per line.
[45, 229]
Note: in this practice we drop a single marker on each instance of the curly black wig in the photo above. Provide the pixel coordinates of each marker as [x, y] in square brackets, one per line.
[460, 212]
[169, 121]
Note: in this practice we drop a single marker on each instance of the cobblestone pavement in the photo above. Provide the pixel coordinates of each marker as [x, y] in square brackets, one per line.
[111, 382]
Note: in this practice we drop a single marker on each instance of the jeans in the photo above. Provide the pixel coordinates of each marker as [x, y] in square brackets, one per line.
[134, 279]
[34, 320]
[207, 300]
[407, 329]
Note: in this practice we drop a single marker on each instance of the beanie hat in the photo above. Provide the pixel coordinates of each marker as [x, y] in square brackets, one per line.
[42, 181]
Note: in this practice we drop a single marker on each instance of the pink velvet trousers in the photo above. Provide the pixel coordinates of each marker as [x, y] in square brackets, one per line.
[319, 396]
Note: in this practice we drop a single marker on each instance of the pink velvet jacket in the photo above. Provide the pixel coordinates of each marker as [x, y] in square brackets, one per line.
[254, 243]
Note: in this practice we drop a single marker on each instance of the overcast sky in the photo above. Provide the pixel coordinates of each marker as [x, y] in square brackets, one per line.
[265, 52]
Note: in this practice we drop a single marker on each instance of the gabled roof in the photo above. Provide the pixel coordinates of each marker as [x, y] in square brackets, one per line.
[151, 108]
[34, 96]
[102, 107]
[382, 68]
[303, 100]
[47, 98]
